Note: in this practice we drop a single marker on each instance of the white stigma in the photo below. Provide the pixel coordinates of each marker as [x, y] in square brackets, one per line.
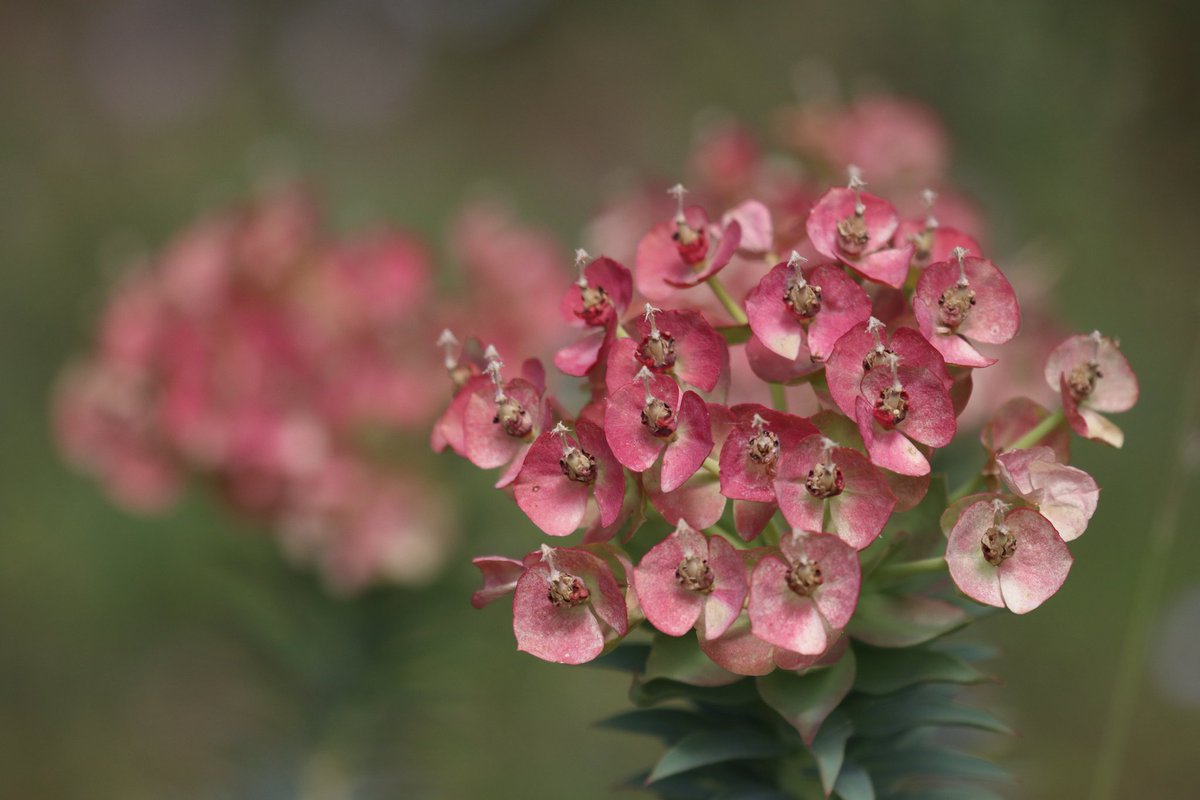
[893, 361]
[758, 423]
[448, 342]
[548, 560]
[856, 185]
[796, 262]
[678, 191]
[561, 430]
[999, 509]
[960, 253]
[874, 326]
[828, 444]
[929, 197]
[581, 259]
[645, 376]
[494, 364]
[648, 313]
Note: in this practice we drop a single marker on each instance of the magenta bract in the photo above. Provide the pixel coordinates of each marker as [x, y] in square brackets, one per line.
[812, 306]
[644, 419]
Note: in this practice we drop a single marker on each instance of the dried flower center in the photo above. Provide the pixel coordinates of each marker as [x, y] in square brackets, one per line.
[998, 545]
[876, 358]
[658, 417]
[825, 480]
[691, 243]
[657, 352]
[513, 418]
[763, 448]
[803, 299]
[804, 577]
[922, 243]
[853, 234]
[1081, 381]
[597, 308]
[578, 465]
[892, 406]
[567, 590]
[954, 304]
[694, 574]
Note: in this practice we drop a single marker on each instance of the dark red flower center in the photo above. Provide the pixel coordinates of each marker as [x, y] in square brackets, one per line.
[804, 577]
[998, 545]
[853, 234]
[825, 480]
[658, 417]
[891, 407]
[804, 300]
[1081, 381]
[597, 307]
[691, 243]
[763, 448]
[694, 574]
[578, 465]
[657, 352]
[513, 418]
[567, 590]
[954, 305]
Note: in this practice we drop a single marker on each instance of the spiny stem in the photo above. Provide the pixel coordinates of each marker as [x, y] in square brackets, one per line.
[779, 397]
[1146, 593]
[727, 300]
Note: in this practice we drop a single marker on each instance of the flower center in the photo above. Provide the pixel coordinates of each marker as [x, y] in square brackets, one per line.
[513, 417]
[763, 447]
[853, 234]
[803, 298]
[597, 308]
[1081, 381]
[825, 480]
[657, 352]
[998, 545]
[804, 577]
[567, 590]
[876, 358]
[694, 574]
[692, 244]
[922, 243]
[892, 406]
[658, 417]
[578, 465]
[954, 305]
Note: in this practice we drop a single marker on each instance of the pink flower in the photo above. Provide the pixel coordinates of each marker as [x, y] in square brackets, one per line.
[502, 420]
[688, 575]
[601, 294]
[566, 604]
[500, 576]
[1006, 558]
[965, 298]
[856, 228]
[559, 476]
[932, 241]
[863, 349]
[1092, 375]
[897, 409]
[1065, 495]
[685, 251]
[794, 305]
[655, 416]
[819, 475]
[679, 343]
[698, 501]
[742, 653]
[802, 596]
[750, 456]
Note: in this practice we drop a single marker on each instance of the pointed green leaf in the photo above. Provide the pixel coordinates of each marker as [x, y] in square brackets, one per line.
[828, 748]
[917, 707]
[679, 658]
[648, 693]
[629, 657]
[806, 700]
[948, 793]
[884, 670]
[896, 764]
[714, 747]
[670, 724]
[854, 783]
[894, 620]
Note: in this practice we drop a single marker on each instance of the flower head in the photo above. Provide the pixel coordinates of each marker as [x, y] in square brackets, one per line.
[856, 228]
[1093, 376]
[965, 298]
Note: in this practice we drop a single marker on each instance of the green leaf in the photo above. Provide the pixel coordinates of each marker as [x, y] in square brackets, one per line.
[679, 658]
[806, 700]
[885, 670]
[854, 783]
[920, 706]
[905, 764]
[919, 528]
[828, 748]
[629, 657]
[714, 747]
[948, 793]
[648, 693]
[669, 724]
[892, 620]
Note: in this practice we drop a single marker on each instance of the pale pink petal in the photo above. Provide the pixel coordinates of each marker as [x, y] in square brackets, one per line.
[500, 577]
[692, 442]
[487, 445]
[606, 599]
[837, 597]
[758, 235]
[551, 500]
[670, 607]
[970, 571]
[844, 304]
[958, 351]
[781, 617]
[771, 318]
[838, 204]
[730, 586]
[738, 650]
[622, 365]
[774, 368]
[567, 635]
[1038, 567]
[609, 486]
[889, 267]
[579, 358]
[863, 508]
[1117, 387]
[1068, 496]
[750, 518]
[632, 442]
[889, 449]
[698, 501]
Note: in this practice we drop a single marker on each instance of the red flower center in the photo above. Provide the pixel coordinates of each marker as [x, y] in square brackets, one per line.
[892, 406]
[658, 417]
[597, 308]
[567, 590]
[692, 244]
[825, 480]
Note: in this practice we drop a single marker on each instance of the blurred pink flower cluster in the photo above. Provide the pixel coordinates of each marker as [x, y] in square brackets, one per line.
[286, 368]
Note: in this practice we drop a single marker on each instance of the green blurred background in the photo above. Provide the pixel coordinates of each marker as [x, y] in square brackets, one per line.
[132, 655]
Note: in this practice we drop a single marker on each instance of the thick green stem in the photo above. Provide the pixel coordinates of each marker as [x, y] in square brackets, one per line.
[1028, 440]
[730, 304]
[779, 397]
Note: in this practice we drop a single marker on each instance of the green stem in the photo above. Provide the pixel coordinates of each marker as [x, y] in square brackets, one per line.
[1146, 595]
[970, 487]
[712, 466]
[621, 332]
[779, 397]
[733, 539]
[1031, 438]
[723, 295]
[907, 569]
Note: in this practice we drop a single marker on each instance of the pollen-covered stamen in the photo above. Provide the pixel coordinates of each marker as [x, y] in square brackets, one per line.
[691, 243]
[922, 241]
[998, 544]
[763, 446]
[565, 589]
[802, 297]
[878, 356]
[657, 349]
[694, 574]
[1081, 380]
[891, 406]
[852, 231]
[956, 301]
[825, 479]
[657, 414]
[459, 372]
[805, 577]
[597, 307]
[513, 417]
[578, 465]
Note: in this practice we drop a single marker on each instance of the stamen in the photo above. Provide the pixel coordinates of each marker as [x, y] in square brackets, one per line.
[581, 259]
[561, 430]
[803, 298]
[825, 480]
[678, 191]
[929, 197]
[492, 369]
[960, 253]
[449, 343]
[856, 184]
[648, 315]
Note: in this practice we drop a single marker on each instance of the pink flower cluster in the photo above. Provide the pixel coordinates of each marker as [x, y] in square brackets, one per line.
[772, 380]
[274, 361]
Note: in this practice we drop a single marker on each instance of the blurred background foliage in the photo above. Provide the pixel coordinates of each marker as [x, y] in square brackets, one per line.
[144, 658]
